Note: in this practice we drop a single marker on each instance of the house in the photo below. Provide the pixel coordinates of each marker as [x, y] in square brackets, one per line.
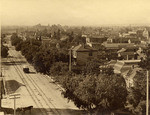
[126, 39]
[118, 46]
[128, 53]
[95, 41]
[131, 53]
[122, 67]
[118, 67]
[82, 53]
[111, 63]
[47, 42]
[130, 37]
[30, 34]
[126, 68]
[128, 34]
[130, 75]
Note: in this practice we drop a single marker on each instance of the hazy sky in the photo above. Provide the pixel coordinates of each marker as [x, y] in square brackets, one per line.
[74, 12]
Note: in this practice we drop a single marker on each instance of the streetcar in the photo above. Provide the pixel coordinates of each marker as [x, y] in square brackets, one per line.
[26, 69]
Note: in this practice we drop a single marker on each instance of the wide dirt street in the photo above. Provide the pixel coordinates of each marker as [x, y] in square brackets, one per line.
[35, 89]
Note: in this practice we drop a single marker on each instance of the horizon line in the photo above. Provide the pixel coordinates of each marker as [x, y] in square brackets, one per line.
[133, 24]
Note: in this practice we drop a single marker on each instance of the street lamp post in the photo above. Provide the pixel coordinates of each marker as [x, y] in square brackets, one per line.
[14, 96]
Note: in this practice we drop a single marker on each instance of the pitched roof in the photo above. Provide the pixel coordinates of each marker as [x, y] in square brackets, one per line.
[12, 86]
[132, 73]
[118, 45]
[131, 61]
[118, 66]
[122, 50]
[76, 47]
[112, 63]
[83, 48]
[124, 66]
[127, 53]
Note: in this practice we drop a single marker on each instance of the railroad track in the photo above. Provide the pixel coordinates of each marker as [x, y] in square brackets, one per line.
[30, 90]
[26, 79]
[40, 91]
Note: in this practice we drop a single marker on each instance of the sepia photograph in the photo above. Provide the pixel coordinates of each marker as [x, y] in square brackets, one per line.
[74, 57]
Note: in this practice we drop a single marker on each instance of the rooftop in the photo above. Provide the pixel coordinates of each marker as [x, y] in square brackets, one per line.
[119, 45]
[83, 48]
[130, 61]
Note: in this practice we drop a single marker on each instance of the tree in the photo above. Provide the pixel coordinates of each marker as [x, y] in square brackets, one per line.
[44, 59]
[3, 38]
[70, 82]
[44, 32]
[110, 92]
[15, 39]
[91, 67]
[104, 69]
[86, 93]
[58, 34]
[55, 35]
[145, 63]
[25, 47]
[137, 93]
[59, 68]
[71, 36]
[101, 93]
[4, 51]
[18, 46]
[29, 50]
[38, 62]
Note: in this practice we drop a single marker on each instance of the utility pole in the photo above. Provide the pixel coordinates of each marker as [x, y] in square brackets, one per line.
[15, 96]
[1, 80]
[147, 96]
[70, 60]
[0, 55]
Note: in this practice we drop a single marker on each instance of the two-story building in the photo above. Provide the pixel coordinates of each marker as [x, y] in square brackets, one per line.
[128, 53]
[82, 53]
[95, 41]
[47, 42]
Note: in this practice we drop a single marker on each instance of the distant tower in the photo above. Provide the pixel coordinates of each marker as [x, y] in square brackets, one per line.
[146, 34]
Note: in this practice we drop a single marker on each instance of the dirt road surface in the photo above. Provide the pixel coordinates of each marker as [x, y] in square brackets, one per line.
[35, 89]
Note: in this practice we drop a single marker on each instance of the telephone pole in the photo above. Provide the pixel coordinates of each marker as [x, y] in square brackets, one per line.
[147, 95]
[1, 80]
[70, 57]
[70, 60]
[15, 96]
